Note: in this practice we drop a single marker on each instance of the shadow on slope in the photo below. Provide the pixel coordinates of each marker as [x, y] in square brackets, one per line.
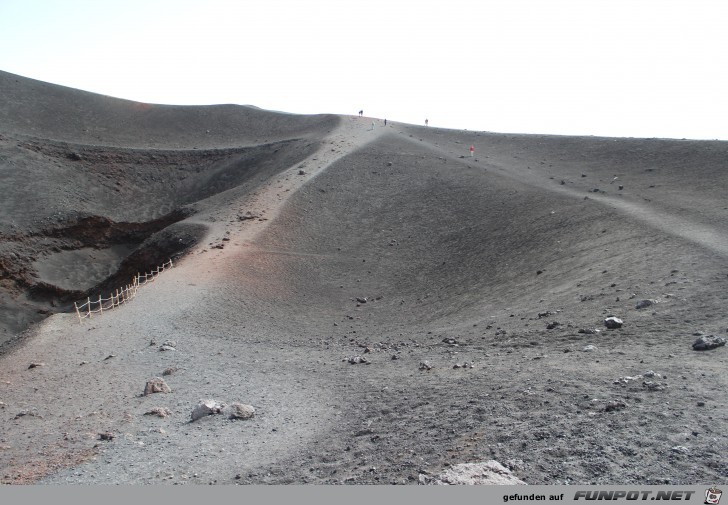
[97, 180]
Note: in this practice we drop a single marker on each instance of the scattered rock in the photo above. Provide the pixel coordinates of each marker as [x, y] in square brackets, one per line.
[159, 412]
[708, 342]
[169, 371]
[206, 408]
[35, 365]
[654, 386]
[615, 405]
[109, 357]
[28, 413]
[301, 172]
[83, 363]
[552, 325]
[680, 449]
[647, 375]
[643, 304]
[589, 348]
[355, 360]
[588, 331]
[425, 365]
[463, 365]
[106, 436]
[485, 473]
[613, 322]
[156, 385]
[239, 411]
[545, 314]
[361, 299]
[450, 341]
[165, 347]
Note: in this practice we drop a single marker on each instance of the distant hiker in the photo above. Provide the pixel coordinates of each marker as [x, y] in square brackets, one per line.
[361, 113]
[472, 151]
[373, 125]
[427, 122]
[385, 121]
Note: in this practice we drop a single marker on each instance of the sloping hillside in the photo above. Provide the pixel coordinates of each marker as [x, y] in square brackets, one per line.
[391, 306]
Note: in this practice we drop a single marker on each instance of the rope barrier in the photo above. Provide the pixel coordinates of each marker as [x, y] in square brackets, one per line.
[120, 296]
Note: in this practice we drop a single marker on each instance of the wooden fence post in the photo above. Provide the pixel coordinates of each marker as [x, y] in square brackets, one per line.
[77, 312]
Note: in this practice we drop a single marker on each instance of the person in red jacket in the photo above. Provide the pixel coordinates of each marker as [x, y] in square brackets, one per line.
[472, 151]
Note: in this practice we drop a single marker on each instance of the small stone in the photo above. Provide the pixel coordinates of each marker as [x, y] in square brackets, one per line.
[35, 365]
[425, 365]
[613, 322]
[680, 449]
[301, 172]
[156, 385]
[642, 304]
[450, 341]
[166, 348]
[356, 360]
[589, 348]
[28, 413]
[588, 331]
[159, 412]
[614, 405]
[106, 436]
[169, 371]
[361, 299]
[239, 411]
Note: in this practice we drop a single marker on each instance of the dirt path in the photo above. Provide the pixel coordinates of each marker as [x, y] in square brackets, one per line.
[684, 226]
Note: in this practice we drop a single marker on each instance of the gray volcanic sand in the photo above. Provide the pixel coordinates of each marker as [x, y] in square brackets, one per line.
[331, 240]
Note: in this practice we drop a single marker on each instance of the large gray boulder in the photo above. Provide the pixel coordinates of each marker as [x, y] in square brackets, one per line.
[206, 408]
[485, 473]
[708, 342]
[239, 411]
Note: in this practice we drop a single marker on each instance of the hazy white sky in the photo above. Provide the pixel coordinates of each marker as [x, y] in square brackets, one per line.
[641, 68]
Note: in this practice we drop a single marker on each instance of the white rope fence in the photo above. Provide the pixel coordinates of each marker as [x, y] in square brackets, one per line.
[120, 296]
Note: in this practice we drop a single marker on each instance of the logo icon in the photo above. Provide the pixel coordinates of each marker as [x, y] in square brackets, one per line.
[712, 496]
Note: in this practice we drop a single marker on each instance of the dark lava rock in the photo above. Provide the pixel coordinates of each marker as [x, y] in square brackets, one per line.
[614, 405]
[642, 304]
[708, 342]
[613, 322]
